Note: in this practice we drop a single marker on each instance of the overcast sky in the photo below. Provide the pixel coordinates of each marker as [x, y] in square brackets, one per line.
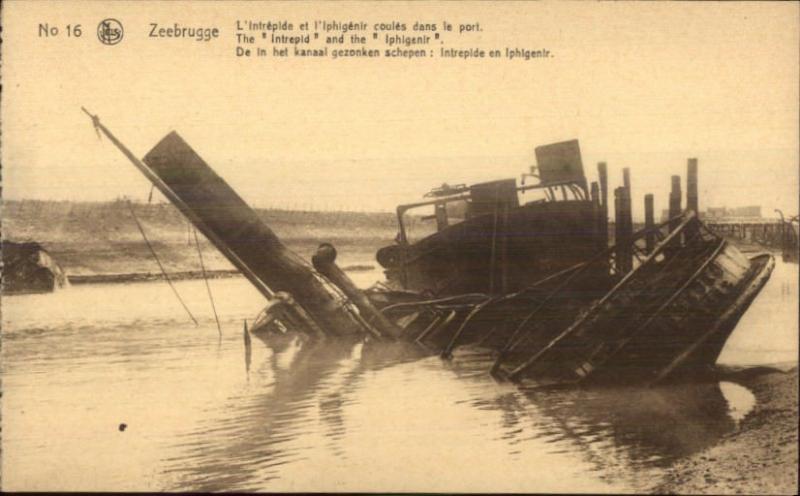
[641, 85]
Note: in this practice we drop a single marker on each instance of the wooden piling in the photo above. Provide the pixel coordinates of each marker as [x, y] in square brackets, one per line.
[649, 223]
[602, 174]
[617, 215]
[627, 228]
[675, 207]
[626, 178]
[691, 193]
[622, 231]
[627, 208]
[595, 196]
[675, 200]
[692, 199]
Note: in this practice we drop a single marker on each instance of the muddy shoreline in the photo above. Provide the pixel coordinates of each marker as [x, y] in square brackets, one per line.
[99, 242]
[175, 276]
[760, 457]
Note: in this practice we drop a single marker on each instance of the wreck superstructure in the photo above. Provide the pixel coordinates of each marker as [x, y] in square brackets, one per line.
[497, 237]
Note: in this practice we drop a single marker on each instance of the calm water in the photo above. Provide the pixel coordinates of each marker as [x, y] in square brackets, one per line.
[80, 362]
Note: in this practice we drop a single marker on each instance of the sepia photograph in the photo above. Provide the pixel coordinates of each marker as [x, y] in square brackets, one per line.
[408, 247]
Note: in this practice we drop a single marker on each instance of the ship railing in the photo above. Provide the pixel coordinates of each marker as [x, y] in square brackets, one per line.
[576, 188]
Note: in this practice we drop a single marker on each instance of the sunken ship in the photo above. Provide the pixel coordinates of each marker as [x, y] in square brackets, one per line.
[27, 267]
[528, 272]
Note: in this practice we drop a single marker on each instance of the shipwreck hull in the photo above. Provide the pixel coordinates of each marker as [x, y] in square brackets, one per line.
[709, 348]
[536, 283]
[29, 268]
[669, 317]
[685, 339]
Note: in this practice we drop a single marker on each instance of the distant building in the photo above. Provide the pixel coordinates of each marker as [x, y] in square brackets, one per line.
[751, 212]
[724, 213]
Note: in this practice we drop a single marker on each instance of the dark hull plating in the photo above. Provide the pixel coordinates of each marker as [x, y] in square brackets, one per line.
[498, 254]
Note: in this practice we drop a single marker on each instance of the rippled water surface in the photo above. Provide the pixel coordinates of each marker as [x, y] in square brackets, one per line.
[79, 363]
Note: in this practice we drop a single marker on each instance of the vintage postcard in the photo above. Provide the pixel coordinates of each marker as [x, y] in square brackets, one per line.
[381, 247]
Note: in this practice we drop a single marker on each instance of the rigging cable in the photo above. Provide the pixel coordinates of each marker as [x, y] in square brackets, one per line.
[208, 286]
[163, 272]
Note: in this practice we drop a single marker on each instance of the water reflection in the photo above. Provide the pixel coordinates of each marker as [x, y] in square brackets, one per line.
[337, 406]
[650, 426]
[295, 406]
[262, 436]
[346, 416]
[622, 431]
[740, 400]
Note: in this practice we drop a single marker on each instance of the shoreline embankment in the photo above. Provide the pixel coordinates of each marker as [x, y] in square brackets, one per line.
[174, 276]
[760, 457]
[100, 243]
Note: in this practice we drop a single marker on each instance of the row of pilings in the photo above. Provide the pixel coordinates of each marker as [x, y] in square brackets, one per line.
[623, 226]
[779, 234]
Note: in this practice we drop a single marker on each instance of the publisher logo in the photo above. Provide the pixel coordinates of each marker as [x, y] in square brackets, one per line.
[109, 31]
